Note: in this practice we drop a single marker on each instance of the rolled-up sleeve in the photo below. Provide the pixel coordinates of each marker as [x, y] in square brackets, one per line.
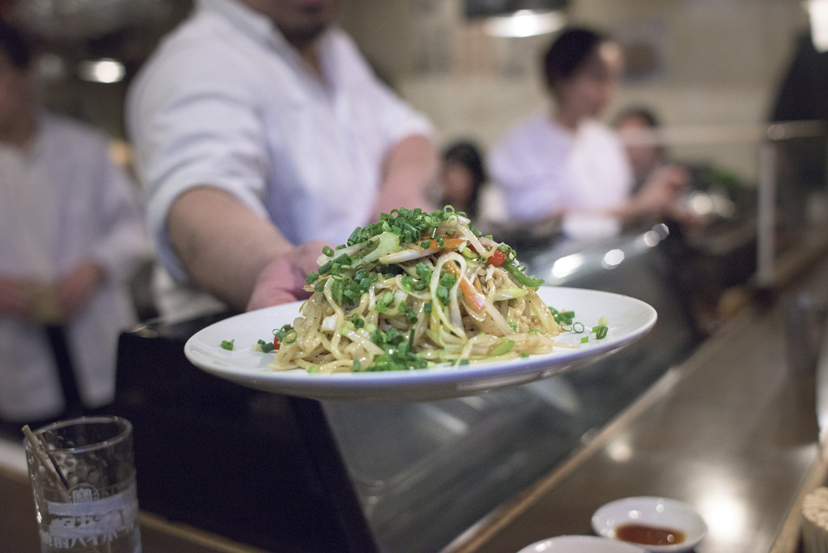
[193, 121]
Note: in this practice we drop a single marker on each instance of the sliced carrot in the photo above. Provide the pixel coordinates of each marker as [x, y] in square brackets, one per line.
[477, 299]
[451, 243]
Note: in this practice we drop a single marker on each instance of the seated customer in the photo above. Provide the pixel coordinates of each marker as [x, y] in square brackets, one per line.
[259, 129]
[71, 238]
[462, 176]
[566, 163]
[638, 128]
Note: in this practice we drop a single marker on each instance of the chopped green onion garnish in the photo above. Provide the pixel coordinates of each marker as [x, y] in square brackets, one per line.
[603, 321]
[327, 250]
[427, 307]
[524, 355]
[425, 244]
[313, 369]
[356, 366]
[409, 314]
[501, 347]
[228, 345]
[585, 339]
[535, 331]
[266, 347]
[311, 278]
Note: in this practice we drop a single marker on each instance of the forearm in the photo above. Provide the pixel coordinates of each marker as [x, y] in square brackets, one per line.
[410, 167]
[627, 212]
[222, 244]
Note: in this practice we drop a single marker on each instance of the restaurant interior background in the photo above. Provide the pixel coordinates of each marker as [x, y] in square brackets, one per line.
[710, 69]
[693, 62]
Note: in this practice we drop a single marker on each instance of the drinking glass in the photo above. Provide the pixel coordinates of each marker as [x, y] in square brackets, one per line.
[84, 486]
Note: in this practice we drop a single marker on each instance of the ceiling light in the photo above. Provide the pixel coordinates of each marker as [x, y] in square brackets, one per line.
[524, 23]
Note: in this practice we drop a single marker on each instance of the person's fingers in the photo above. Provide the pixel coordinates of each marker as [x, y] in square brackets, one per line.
[283, 279]
[306, 256]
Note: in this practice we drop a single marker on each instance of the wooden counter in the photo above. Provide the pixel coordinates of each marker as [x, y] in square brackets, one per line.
[731, 431]
[18, 530]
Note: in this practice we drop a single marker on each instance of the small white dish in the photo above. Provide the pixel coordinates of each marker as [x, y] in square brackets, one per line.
[657, 512]
[581, 544]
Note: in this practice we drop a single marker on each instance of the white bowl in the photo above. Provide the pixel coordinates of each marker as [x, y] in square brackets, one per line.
[581, 544]
[652, 511]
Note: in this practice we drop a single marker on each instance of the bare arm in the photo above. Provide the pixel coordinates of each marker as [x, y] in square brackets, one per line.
[222, 244]
[411, 166]
[658, 197]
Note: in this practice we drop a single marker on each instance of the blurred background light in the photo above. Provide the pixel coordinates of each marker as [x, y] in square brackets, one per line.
[612, 259]
[105, 70]
[818, 13]
[565, 266]
[525, 23]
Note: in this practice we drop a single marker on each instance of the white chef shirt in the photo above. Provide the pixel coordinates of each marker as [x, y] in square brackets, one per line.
[541, 167]
[226, 101]
[63, 202]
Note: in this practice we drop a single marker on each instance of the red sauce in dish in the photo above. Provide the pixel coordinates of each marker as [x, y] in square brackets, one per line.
[648, 535]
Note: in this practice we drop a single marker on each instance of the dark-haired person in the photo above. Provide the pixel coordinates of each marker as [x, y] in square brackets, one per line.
[260, 128]
[637, 127]
[462, 176]
[70, 237]
[566, 162]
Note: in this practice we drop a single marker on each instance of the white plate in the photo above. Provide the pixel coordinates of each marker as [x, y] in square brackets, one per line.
[629, 319]
[581, 544]
[652, 511]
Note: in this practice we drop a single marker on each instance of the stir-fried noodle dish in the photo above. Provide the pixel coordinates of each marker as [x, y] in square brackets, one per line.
[414, 290]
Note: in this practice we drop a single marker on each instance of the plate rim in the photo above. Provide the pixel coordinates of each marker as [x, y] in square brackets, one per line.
[631, 547]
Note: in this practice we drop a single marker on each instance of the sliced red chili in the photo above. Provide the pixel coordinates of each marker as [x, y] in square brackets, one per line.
[496, 258]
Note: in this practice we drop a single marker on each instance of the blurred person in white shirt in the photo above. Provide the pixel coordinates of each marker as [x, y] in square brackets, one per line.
[260, 130]
[567, 164]
[71, 239]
